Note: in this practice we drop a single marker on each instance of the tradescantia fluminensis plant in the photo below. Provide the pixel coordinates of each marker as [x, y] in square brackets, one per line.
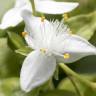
[45, 6]
[48, 45]
[44, 37]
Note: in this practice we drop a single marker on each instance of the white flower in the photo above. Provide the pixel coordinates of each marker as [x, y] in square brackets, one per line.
[53, 7]
[13, 17]
[52, 42]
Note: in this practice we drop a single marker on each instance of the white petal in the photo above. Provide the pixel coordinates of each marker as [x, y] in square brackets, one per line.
[77, 47]
[30, 41]
[11, 19]
[37, 68]
[20, 3]
[13, 16]
[37, 30]
[53, 7]
[32, 23]
[29, 20]
[23, 4]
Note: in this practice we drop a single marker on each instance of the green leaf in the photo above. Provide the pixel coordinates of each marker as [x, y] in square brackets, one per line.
[90, 92]
[17, 29]
[16, 40]
[10, 62]
[11, 87]
[84, 7]
[83, 25]
[58, 93]
[24, 51]
[66, 84]
[2, 33]
[85, 65]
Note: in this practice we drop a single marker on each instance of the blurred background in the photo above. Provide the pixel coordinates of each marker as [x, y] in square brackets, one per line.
[82, 21]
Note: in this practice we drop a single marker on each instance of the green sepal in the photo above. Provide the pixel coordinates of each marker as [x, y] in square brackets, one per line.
[24, 50]
[15, 40]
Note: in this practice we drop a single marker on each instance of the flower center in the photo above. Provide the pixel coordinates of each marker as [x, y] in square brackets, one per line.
[24, 34]
[65, 16]
[42, 19]
[66, 56]
[43, 50]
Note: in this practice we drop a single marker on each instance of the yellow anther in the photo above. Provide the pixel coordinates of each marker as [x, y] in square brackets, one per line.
[66, 56]
[70, 32]
[24, 34]
[43, 50]
[42, 18]
[65, 16]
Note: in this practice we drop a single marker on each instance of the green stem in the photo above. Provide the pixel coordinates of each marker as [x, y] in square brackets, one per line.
[51, 85]
[33, 7]
[70, 72]
[75, 86]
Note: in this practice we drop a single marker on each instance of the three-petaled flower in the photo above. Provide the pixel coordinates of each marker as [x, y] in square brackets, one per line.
[13, 17]
[52, 43]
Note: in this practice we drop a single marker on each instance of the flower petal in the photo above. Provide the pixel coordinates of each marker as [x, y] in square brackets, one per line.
[29, 41]
[37, 29]
[77, 47]
[53, 7]
[11, 19]
[23, 4]
[37, 68]
[32, 23]
[13, 16]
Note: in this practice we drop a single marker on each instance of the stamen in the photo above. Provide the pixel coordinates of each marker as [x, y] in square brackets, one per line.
[70, 32]
[24, 34]
[43, 50]
[66, 56]
[42, 18]
[65, 16]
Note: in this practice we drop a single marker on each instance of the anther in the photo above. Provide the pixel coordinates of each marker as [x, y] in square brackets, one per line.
[24, 34]
[42, 18]
[43, 50]
[70, 32]
[65, 16]
[66, 56]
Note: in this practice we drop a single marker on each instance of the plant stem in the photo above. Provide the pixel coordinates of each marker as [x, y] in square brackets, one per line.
[70, 72]
[33, 7]
[75, 86]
